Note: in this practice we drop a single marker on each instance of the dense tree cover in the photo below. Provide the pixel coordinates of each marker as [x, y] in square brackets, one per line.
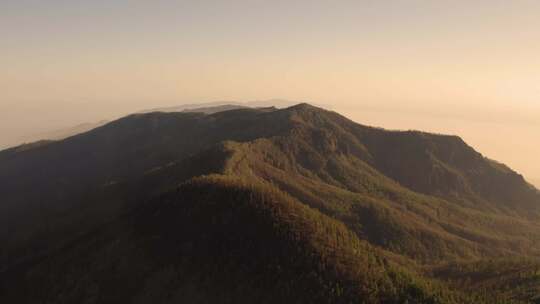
[339, 180]
[304, 206]
[510, 278]
[223, 240]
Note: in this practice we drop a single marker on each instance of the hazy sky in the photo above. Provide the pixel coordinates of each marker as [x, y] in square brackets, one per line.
[470, 68]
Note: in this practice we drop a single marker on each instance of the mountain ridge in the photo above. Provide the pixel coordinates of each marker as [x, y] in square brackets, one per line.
[420, 198]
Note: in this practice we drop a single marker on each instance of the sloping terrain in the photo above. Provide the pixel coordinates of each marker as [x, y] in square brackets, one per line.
[221, 240]
[308, 207]
[512, 279]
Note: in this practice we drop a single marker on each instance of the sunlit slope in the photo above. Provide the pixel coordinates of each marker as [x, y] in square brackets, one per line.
[376, 208]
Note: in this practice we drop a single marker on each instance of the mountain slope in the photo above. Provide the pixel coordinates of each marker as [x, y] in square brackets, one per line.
[194, 241]
[412, 199]
[329, 170]
[70, 175]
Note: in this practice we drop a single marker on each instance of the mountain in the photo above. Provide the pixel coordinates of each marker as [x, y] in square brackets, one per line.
[294, 205]
[207, 108]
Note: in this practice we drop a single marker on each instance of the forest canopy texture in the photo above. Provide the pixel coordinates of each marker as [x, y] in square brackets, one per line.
[266, 205]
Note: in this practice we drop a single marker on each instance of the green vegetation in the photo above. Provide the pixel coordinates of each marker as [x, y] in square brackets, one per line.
[511, 279]
[298, 205]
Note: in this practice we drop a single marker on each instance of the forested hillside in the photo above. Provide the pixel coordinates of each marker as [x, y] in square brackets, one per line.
[297, 205]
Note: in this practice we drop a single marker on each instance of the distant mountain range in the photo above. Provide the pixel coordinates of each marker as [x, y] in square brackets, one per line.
[218, 106]
[263, 205]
